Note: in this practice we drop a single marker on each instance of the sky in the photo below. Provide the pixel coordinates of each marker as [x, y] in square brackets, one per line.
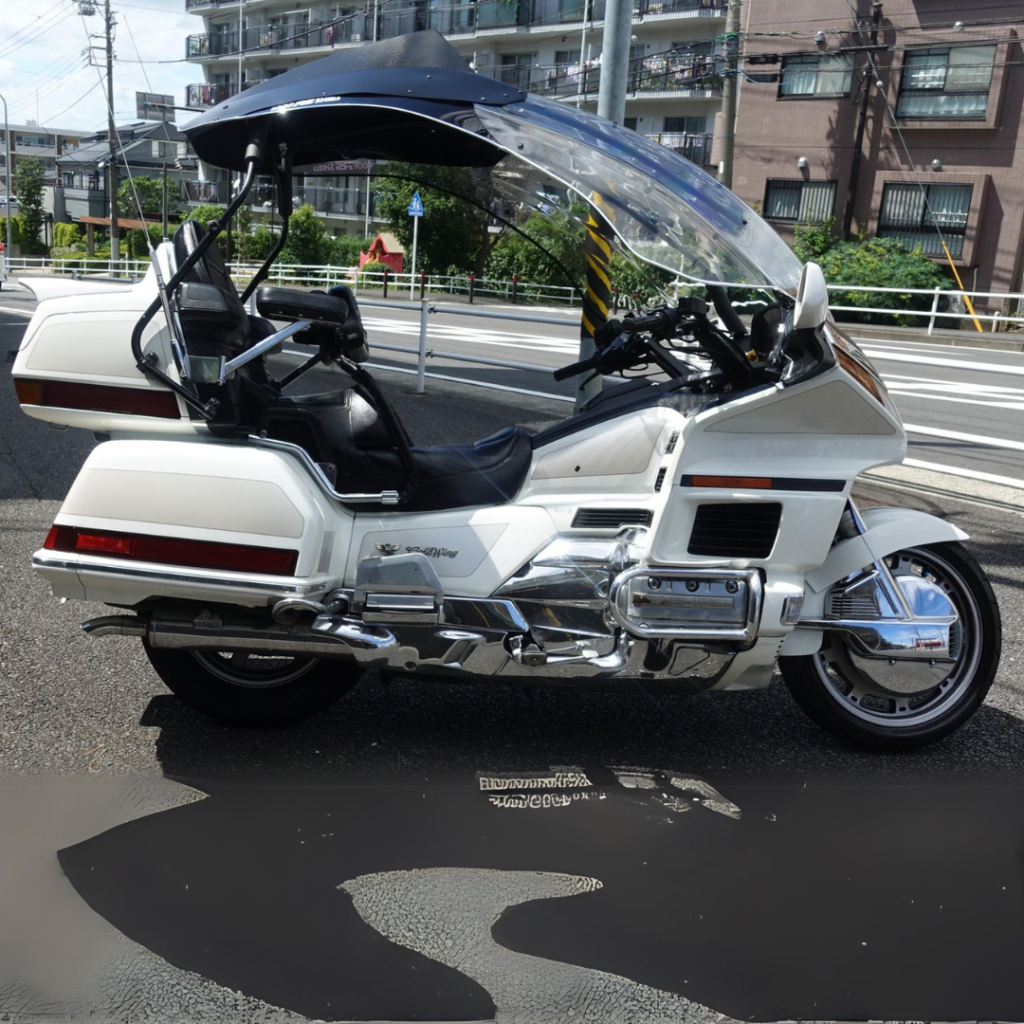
[42, 66]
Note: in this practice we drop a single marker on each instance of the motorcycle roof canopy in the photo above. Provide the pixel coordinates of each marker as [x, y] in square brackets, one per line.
[413, 99]
[387, 100]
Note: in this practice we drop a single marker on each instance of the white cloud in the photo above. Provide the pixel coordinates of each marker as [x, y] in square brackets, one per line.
[43, 67]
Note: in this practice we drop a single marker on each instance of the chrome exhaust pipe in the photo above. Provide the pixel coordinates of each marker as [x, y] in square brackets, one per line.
[328, 636]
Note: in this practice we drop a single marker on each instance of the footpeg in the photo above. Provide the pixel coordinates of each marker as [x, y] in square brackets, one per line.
[397, 589]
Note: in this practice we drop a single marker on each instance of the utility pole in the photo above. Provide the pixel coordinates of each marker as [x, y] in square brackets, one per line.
[611, 104]
[611, 94]
[165, 201]
[862, 117]
[108, 26]
[7, 175]
[730, 89]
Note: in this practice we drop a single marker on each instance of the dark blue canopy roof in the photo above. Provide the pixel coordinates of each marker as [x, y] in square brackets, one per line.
[379, 100]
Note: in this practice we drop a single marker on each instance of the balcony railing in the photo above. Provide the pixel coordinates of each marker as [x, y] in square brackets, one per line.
[669, 72]
[300, 35]
[209, 94]
[329, 200]
[696, 148]
[203, 192]
[455, 18]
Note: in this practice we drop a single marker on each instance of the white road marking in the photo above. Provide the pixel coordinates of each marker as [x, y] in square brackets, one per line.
[474, 335]
[950, 385]
[970, 474]
[475, 383]
[1016, 406]
[917, 346]
[956, 435]
[957, 364]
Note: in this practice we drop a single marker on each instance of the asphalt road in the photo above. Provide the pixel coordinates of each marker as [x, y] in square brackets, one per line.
[218, 875]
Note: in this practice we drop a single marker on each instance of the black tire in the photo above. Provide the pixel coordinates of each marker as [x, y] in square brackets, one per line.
[809, 677]
[256, 690]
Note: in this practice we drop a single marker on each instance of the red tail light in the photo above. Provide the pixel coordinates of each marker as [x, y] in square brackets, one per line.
[199, 554]
[66, 394]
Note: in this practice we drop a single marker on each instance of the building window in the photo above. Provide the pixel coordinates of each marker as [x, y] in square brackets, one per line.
[952, 82]
[515, 69]
[916, 214]
[817, 74]
[687, 125]
[799, 202]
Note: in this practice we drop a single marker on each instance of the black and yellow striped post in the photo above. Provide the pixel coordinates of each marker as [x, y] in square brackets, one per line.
[598, 251]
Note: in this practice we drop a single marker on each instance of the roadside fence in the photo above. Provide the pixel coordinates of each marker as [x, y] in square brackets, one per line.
[936, 306]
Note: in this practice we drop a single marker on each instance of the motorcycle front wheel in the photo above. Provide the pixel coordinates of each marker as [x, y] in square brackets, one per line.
[253, 689]
[896, 706]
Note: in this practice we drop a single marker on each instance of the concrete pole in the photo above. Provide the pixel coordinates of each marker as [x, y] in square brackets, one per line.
[115, 248]
[596, 300]
[7, 174]
[611, 95]
[241, 43]
[730, 89]
[611, 104]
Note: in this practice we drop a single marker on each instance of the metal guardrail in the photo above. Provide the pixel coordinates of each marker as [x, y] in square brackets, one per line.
[933, 312]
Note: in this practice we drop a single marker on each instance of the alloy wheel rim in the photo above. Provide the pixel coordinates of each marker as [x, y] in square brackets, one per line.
[862, 697]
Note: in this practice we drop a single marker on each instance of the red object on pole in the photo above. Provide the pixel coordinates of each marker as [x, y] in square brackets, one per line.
[515, 287]
[472, 281]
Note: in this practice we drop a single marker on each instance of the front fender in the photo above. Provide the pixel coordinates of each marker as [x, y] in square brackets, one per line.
[887, 530]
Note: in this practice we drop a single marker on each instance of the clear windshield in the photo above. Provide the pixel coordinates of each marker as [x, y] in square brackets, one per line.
[664, 208]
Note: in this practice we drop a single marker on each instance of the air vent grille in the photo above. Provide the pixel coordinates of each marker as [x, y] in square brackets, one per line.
[671, 446]
[736, 529]
[851, 606]
[612, 518]
[661, 478]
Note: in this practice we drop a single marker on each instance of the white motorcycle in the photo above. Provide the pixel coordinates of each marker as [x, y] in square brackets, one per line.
[687, 530]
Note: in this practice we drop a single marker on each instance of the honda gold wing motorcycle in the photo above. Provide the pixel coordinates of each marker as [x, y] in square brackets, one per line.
[689, 529]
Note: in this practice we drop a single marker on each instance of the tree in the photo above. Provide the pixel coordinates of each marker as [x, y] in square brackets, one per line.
[308, 242]
[204, 214]
[28, 183]
[151, 197]
[453, 232]
[551, 253]
[346, 250]
[243, 222]
[880, 263]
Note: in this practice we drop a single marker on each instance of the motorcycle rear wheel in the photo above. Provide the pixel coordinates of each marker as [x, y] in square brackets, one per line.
[844, 696]
[255, 690]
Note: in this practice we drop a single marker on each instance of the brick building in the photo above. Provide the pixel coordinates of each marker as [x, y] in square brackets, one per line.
[945, 88]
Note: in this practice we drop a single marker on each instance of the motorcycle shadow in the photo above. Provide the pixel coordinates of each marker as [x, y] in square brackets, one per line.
[537, 892]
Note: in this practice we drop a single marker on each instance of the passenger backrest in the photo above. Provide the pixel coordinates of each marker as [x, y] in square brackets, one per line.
[208, 302]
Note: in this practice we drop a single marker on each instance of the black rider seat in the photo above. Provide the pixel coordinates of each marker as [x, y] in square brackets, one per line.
[342, 429]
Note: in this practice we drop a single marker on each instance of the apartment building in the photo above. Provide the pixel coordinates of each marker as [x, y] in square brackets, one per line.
[29, 140]
[899, 119]
[551, 47]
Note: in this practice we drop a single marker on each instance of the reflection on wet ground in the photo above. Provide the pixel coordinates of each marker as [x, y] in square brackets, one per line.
[581, 892]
